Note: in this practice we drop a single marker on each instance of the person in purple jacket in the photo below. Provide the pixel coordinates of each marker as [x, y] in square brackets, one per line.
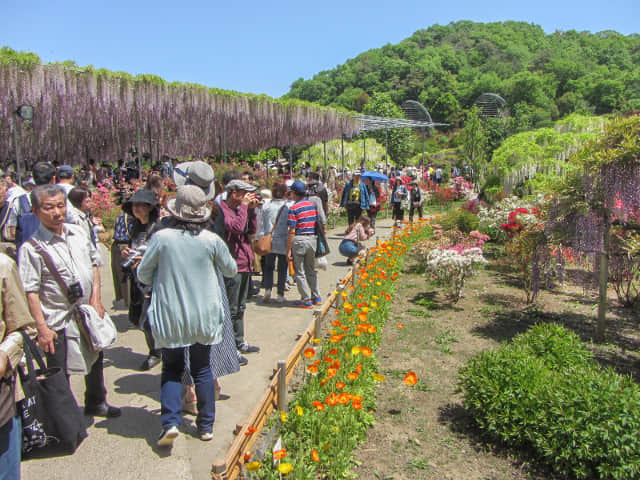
[236, 222]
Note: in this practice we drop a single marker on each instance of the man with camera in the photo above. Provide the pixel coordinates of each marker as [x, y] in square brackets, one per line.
[59, 270]
[236, 223]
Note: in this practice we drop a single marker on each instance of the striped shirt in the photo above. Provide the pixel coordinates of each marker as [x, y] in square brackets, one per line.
[302, 217]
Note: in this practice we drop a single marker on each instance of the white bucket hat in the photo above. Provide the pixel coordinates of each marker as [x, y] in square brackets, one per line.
[190, 205]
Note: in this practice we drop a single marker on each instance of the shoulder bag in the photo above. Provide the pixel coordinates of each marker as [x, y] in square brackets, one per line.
[50, 414]
[99, 333]
[262, 246]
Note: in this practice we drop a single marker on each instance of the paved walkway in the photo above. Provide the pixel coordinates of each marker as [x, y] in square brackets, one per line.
[124, 447]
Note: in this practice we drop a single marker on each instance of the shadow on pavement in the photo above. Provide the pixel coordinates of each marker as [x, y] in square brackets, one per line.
[146, 384]
[123, 358]
[137, 422]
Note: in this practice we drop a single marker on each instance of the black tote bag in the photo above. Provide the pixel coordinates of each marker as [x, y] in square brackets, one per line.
[52, 423]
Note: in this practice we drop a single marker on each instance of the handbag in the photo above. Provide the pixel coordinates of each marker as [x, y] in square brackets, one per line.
[322, 247]
[262, 246]
[99, 333]
[50, 414]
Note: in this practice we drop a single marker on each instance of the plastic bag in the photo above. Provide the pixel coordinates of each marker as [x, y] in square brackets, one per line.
[322, 263]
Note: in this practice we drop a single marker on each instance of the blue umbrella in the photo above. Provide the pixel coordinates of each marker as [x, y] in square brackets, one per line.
[375, 176]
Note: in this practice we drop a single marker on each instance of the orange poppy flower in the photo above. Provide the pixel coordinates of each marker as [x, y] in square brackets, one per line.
[335, 338]
[333, 351]
[352, 375]
[341, 385]
[250, 431]
[280, 454]
[343, 399]
[331, 400]
[357, 405]
[411, 379]
[359, 368]
[362, 316]
[310, 352]
[347, 307]
[336, 322]
[358, 332]
[315, 456]
[312, 369]
[400, 325]
[366, 351]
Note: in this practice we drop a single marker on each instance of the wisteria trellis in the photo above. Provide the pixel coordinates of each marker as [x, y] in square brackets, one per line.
[82, 114]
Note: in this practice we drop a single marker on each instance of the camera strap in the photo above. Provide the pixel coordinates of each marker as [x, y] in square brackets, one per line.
[51, 266]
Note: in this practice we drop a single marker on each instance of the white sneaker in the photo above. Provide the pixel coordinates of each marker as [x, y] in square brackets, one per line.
[266, 298]
[206, 436]
[168, 436]
[280, 299]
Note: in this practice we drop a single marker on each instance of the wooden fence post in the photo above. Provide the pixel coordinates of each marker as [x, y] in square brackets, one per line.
[282, 385]
[317, 325]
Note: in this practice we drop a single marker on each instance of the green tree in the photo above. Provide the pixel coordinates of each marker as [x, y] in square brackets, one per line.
[474, 144]
[400, 140]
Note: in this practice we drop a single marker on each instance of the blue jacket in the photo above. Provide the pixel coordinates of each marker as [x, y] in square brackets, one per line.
[364, 195]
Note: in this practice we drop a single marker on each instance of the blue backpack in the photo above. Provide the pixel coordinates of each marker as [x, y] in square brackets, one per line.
[28, 223]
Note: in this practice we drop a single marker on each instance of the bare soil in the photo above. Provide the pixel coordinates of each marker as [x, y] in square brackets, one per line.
[424, 432]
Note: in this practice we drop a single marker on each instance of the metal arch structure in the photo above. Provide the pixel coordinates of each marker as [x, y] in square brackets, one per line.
[369, 123]
[491, 105]
[414, 110]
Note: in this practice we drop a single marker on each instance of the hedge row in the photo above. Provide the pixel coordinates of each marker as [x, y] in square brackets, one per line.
[543, 391]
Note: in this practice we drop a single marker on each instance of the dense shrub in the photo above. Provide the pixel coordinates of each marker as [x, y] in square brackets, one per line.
[543, 391]
[462, 220]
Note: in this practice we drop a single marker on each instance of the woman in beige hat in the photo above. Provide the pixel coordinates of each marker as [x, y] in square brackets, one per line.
[185, 311]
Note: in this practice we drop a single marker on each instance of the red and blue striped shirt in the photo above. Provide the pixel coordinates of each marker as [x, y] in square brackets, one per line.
[302, 217]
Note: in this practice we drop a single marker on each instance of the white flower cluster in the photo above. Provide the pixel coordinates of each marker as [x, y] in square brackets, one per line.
[452, 268]
[492, 218]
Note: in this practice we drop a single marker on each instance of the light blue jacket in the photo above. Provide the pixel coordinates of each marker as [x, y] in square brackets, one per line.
[186, 302]
[268, 218]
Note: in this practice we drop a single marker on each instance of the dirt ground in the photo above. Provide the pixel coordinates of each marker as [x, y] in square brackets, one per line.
[423, 432]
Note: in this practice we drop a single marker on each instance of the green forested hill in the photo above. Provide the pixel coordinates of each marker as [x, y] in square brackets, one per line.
[541, 76]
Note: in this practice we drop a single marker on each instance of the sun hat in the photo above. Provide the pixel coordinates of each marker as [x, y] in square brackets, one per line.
[298, 187]
[195, 173]
[142, 195]
[238, 184]
[190, 205]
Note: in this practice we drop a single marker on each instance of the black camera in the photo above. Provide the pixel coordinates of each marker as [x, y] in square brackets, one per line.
[75, 292]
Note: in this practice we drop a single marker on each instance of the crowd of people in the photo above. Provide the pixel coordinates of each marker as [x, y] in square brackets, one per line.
[184, 264]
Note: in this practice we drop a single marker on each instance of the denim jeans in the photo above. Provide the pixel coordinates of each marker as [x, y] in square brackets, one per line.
[269, 267]
[11, 449]
[237, 293]
[348, 248]
[171, 386]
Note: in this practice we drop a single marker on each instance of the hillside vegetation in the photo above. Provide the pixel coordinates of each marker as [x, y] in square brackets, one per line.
[542, 76]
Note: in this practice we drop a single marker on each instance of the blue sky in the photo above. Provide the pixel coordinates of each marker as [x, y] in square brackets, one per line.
[260, 46]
